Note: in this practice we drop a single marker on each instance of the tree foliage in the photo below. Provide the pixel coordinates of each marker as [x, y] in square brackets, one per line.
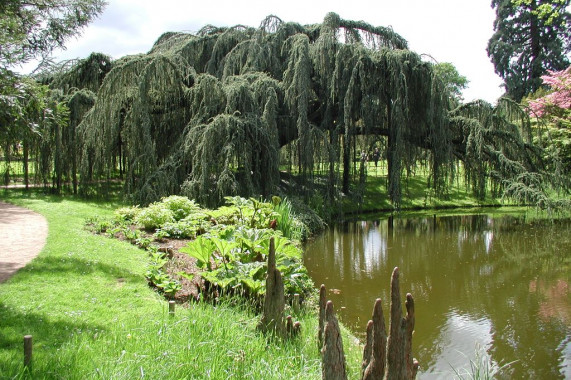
[214, 113]
[553, 112]
[34, 120]
[34, 28]
[557, 104]
[531, 36]
[451, 78]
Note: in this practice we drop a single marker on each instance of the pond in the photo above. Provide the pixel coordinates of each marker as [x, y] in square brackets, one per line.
[486, 288]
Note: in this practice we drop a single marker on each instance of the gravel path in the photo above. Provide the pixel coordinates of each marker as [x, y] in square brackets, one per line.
[23, 235]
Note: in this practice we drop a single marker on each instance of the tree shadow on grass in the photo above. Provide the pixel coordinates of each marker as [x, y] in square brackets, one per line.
[55, 326]
[62, 265]
[48, 334]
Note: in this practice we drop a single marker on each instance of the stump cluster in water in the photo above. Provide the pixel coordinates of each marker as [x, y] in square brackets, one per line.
[384, 357]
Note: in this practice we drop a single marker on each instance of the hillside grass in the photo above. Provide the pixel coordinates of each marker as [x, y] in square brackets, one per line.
[87, 304]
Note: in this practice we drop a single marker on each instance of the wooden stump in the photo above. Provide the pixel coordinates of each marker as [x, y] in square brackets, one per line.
[322, 304]
[384, 357]
[400, 364]
[377, 345]
[274, 301]
[333, 363]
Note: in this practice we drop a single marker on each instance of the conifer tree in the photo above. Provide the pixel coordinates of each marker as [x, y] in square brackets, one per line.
[531, 36]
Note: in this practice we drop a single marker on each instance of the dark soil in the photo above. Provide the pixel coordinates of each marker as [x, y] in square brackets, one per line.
[178, 263]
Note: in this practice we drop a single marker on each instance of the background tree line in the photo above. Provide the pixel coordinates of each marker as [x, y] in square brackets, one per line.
[210, 114]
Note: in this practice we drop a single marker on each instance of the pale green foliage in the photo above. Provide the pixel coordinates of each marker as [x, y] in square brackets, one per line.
[154, 216]
[206, 115]
[180, 206]
[453, 81]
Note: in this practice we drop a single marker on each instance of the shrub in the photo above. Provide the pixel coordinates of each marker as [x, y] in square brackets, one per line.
[225, 215]
[127, 214]
[179, 230]
[180, 206]
[154, 216]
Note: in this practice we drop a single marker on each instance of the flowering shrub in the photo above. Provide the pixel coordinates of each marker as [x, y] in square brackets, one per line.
[557, 104]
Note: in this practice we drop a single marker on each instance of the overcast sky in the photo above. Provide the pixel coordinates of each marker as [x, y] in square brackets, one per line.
[455, 31]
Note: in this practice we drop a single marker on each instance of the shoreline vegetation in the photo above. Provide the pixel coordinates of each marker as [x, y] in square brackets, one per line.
[86, 301]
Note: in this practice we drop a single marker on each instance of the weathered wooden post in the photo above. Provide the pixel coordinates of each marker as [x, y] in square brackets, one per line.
[333, 363]
[28, 351]
[172, 305]
[322, 304]
[274, 300]
[400, 364]
[374, 354]
[296, 303]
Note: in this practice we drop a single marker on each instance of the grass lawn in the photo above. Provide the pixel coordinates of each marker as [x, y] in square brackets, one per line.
[16, 170]
[86, 303]
[373, 196]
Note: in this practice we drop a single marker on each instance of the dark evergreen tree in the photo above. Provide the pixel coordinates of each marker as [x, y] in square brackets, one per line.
[531, 36]
[33, 28]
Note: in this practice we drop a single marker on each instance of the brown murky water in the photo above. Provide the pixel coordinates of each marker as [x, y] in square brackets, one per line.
[495, 286]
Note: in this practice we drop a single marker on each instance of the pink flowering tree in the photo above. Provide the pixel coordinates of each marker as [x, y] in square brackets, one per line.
[555, 106]
[554, 109]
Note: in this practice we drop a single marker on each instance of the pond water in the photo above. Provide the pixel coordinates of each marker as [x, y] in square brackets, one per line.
[486, 288]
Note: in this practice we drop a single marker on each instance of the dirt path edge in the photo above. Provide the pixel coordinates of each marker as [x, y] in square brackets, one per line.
[23, 235]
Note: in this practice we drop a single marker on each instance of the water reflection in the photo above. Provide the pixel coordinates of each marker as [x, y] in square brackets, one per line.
[496, 282]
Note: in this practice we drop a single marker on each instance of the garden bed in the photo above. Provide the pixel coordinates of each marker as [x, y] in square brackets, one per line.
[199, 253]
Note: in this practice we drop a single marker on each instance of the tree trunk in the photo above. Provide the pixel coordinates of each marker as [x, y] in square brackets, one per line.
[346, 162]
[322, 305]
[26, 152]
[536, 69]
[333, 364]
[377, 356]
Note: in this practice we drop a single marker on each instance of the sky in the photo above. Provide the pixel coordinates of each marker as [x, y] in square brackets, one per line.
[455, 31]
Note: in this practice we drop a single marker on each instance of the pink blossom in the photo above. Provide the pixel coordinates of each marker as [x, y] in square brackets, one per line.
[559, 100]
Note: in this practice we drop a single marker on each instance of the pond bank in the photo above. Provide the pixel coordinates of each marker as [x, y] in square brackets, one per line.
[87, 304]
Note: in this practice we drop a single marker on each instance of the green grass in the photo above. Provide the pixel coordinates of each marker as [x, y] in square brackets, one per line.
[86, 303]
[16, 170]
[373, 196]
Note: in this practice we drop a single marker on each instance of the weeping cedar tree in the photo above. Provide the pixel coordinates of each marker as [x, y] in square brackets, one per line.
[206, 114]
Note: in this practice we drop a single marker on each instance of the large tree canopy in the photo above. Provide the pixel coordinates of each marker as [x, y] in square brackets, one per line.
[208, 114]
[531, 37]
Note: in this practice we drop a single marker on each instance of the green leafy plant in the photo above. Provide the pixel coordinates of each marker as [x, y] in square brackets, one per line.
[224, 248]
[181, 207]
[126, 214]
[160, 234]
[131, 234]
[240, 203]
[98, 225]
[179, 230]
[154, 216]
[143, 241]
[285, 218]
[251, 242]
[169, 286]
[201, 249]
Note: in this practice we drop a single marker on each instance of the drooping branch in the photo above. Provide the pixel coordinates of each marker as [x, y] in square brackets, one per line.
[231, 97]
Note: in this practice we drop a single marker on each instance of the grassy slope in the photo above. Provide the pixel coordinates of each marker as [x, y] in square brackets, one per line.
[415, 194]
[86, 303]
